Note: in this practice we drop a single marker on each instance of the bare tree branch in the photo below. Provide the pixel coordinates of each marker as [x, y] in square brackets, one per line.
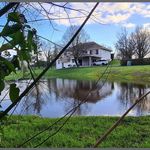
[78, 10]
[47, 16]
[44, 19]
[7, 8]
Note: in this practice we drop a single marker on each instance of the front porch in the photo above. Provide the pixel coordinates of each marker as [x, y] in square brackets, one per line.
[87, 60]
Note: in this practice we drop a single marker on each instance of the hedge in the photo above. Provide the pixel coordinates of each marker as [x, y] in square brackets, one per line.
[142, 61]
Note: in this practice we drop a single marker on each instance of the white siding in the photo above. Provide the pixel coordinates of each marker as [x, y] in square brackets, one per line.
[105, 54]
[60, 64]
[66, 65]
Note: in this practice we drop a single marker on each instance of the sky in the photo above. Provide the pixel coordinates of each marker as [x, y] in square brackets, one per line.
[103, 27]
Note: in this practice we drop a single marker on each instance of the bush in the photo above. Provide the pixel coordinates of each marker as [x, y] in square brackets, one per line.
[142, 61]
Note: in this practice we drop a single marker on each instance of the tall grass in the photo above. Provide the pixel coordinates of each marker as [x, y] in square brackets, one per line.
[78, 132]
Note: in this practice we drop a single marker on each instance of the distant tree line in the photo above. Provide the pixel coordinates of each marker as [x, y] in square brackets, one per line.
[46, 50]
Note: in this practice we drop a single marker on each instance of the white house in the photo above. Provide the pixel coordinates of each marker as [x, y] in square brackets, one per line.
[92, 52]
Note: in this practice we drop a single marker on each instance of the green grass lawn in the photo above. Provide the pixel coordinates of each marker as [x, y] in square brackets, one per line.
[118, 73]
[78, 132]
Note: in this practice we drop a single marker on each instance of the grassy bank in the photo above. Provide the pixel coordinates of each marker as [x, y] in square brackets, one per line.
[118, 73]
[78, 132]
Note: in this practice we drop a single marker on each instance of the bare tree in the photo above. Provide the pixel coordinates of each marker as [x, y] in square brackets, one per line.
[141, 38]
[38, 52]
[47, 51]
[55, 51]
[125, 45]
[48, 55]
[77, 47]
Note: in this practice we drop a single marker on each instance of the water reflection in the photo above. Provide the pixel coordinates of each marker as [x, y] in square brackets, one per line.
[130, 92]
[33, 102]
[55, 97]
[78, 90]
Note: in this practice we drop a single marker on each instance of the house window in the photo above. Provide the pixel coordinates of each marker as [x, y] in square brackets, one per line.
[96, 51]
[90, 51]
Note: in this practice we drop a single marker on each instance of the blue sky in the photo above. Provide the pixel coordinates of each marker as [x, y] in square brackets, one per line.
[109, 19]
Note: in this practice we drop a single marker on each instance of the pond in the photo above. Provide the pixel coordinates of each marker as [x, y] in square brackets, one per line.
[55, 97]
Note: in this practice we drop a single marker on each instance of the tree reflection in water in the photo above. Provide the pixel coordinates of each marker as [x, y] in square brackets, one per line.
[33, 102]
[129, 92]
[55, 97]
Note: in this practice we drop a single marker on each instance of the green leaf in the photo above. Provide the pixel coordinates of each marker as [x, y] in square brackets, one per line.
[13, 92]
[15, 62]
[8, 30]
[14, 16]
[17, 37]
[9, 65]
[2, 85]
[24, 55]
[34, 47]
[6, 46]
[30, 39]
[3, 71]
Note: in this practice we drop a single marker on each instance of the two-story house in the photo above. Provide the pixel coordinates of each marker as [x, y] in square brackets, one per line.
[92, 52]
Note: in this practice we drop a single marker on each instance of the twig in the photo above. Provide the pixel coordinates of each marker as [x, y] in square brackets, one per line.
[7, 8]
[104, 136]
[49, 41]
[78, 10]
[47, 16]
[56, 18]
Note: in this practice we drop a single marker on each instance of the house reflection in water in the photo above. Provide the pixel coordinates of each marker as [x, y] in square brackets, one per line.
[79, 90]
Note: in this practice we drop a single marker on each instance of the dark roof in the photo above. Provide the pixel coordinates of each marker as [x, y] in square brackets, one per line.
[91, 44]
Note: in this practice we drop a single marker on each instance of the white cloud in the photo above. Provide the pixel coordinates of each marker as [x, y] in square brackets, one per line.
[147, 26]
[117, 18]
[129, 25]
[108, 13]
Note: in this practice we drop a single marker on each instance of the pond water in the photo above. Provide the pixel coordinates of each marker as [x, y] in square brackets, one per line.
[55, 97]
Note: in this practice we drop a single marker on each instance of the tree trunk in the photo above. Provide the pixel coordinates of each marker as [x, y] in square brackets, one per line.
[76, 61]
